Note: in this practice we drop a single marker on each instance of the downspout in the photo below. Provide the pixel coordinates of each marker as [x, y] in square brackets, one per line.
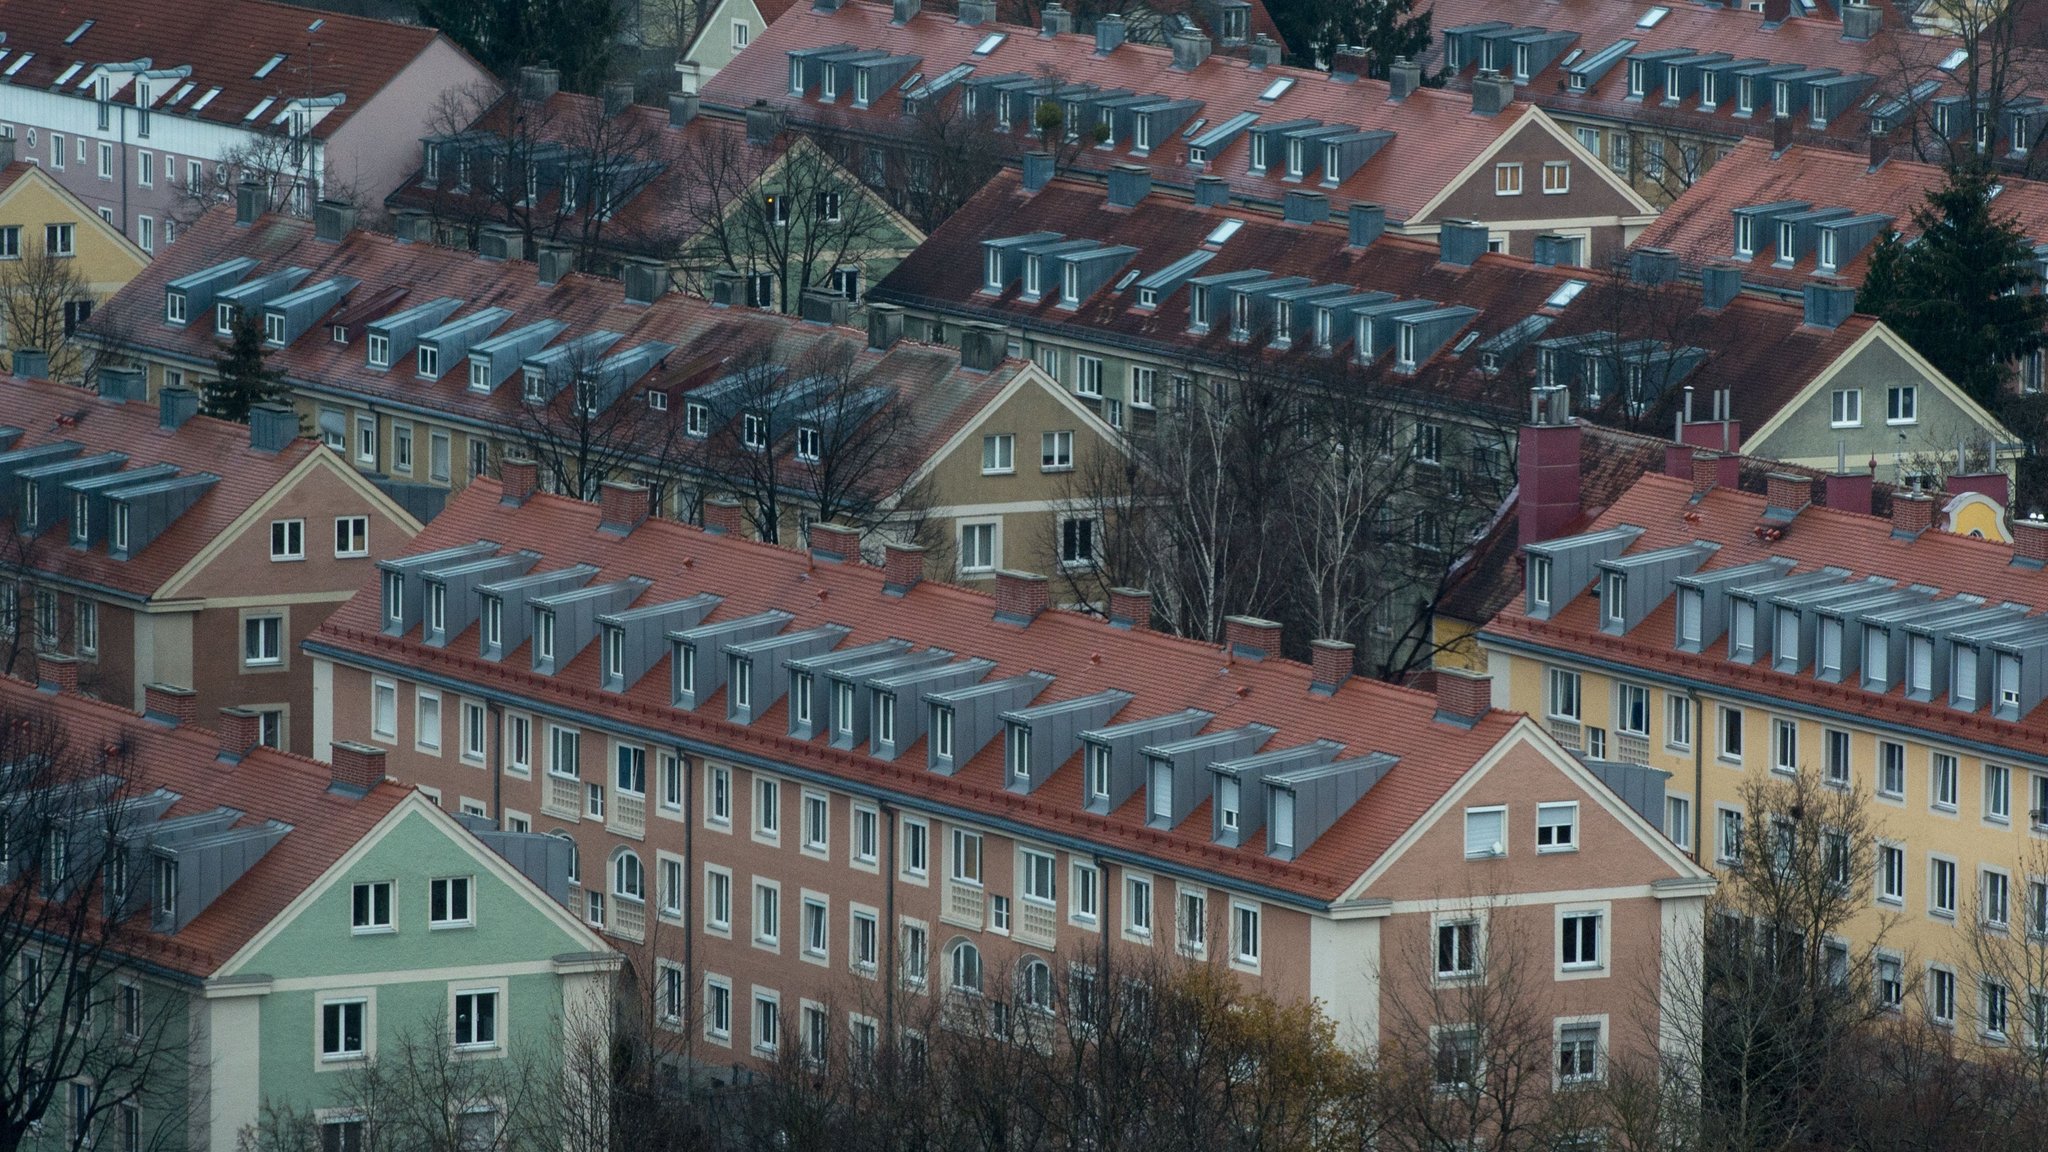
[497, 761]
[689, 871]
[889, 910]
[1699, 795]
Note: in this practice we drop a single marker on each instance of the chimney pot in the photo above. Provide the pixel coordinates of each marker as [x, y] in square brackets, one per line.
[1037, 170]
[764, 123]
[1305, 207]
[885, 326]
[1849, 492]
[57, 672]
[1332, 662]
[1461, 242]
[519, 477]
[618, 96]
[1547, 469]
[904, 11]
[123, 385]
[1251, 637]
[170, 704]
[1781, 133]
[357, 767]
[1861, 21]
[835, 544]
[175, 404]
[621, 507]
[1020, 596]
[241, 729]
[646, 280]
[683, 108]
[1678, 460]
[1492, 93]
[1912, 514]
[1463, 697]
[1130, 608]
[1211, 192]
[974, 13]
[1053, 20]
[1651, 267]
[333, 220]
[1109, 33]
[1719, 285]
[824, 306]
[1714, 470]
[1129, 184]
[1190, 48]
[1367, 222]
[1880, 149]
[902, 567]
[539, 83]
[982, 347]
[722, 516]
[272, 427]
[1828, 305]
[553, 261]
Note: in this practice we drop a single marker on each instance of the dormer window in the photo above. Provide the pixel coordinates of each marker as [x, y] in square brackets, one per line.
[1919, 667]
[828, 84]
[1148, 297]
[224, 319]
[1781, 97]
[992, 271]
[1745, 236]
[273, 328]
[742, 673]
[1141, 134]
[1745, 95]
[1576, 81]
[1827, 250]
[1017, 753]
[479, 373]
[885, 717]
[1032, 275]
[117, 526]
[81, 525]
[2008, 686]
[1876, 659]
[1614, 598]
[1404, 345]
[380, 350]
[1070, 284]
[1638, 78]
[1228, 801]
[860, 86]
[1522, 62]
[1283, 322]
[843, 696]
[429, 359]
[615, 653]
[685, 670]
[696, 419]
[1257, 161]
[1159, 802]
[1240, 316]
[754, 431]
[1820, 107]
[1454, 53]
[1297, 159]
[1710, 91]
[1323, 324]
[1742, 632]
[942, 732]
[1788, 243]
[796, 76]
[1487, 60]
[437, 607]
[174, 308]
[394, 597]
[543, 634]
[494, 622]
[534, 386]
[1198, 307]
[1098, 771]
[1671, 81]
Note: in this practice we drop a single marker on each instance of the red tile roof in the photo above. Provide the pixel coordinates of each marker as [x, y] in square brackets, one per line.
[48, 413]
[705, 336]
[264, 785]
[1700, 225]
[1761, 349]
[1817, 537]
[1084, 654]
[1437, 135]
[224, 42]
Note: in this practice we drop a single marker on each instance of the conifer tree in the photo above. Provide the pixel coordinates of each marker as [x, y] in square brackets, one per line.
[245, 378]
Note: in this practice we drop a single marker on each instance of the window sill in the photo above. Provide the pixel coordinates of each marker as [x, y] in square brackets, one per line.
[451, 927]
[1557, 850]
[998, 471]
[377, 930]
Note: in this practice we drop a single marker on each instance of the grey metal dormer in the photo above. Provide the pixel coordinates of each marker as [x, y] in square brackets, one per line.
[250, 297]
[2019, 669]
[547, 372]
[1372, 326]
[811, 687]
[696, 655]
[757, 671]
[1558, 570]
[1294, 311]
[1931, 642]
[635, 640]
[807, 69]
[90, 520]
[189, 298]
[1002, 259]
[83, 832]
[1113, 762]
[1240, 808]
[39, 498]
[1083, 273]
[1301, 149]
[1632, 586]
[1419, 336]
[188, 874]
[1978, 668]
[1795, 621]
[1838, 643]
[564, 623]
[1585, 73]
[139, 513]
[1037, 740]
[1302, 803]
[1250, 304]
[12, 464]
[900, 713]
[1150, 126]
[504, 622]
[402, 603]
[1749, 618]
[442, 347]
[1346, 153]
[1703, 600]
[964, 720]
[849, 704]
[599, 386]
[1756, 225]
[452, 603]
[291, 315]
[1177, 776]
[393, 338]
[490, 361]
[1884, 655]
[129, 873]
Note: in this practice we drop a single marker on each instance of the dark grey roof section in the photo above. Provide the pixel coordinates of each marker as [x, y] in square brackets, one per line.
[1703, 605]
[964, 720]
[250, 297]
[1239, 787]
[900, 710]
[811, 689]
[572, 616]
[1570, 564]
[298, 310]
[1794, 619]
[1302, 804]
[850, 710]
[636, 639]
[153, 506]
[452, 602]
[505, 600]
[697, 665]
[1589, 71]
[1749, 626]
[38, 497]
[1839, 642]
[1040, 739]
[1634, 584]
[196, 870]
[1885, 638]
[1639, 786]
[198, 289]
[498, 357]
[757, 671]
[1113, 764]
[1177, 776]
[452, 341]
[89, 525]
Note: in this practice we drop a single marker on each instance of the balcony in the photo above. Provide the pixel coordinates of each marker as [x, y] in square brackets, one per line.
[964, 906]
[563, 798]
[628, 816]
[1631, 748]
[1569, 733]
[1036, 923]
[629, 920]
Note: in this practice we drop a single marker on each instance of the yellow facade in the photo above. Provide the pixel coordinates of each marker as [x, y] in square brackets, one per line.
[100, 262]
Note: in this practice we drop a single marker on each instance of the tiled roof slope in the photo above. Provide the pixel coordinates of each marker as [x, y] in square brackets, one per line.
[1665, 508]
[1761, 349]
[705, 336]
[1700, 224]
[1893, 60]
[224, 42]
[1436, 134]
[1083, 654]
[264, 785]
[49, 413]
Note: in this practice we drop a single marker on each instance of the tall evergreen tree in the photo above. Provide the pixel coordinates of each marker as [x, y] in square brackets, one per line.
[1964, 293]
[246, 378]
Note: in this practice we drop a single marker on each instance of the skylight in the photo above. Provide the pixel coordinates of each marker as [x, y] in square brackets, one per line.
[911, 82]
[203, 101]
[1954, 60]
[1565, 294]
[1465, 343]
[1224, 231]
[1571, 56]
[1651, 18]
[990, 43]
[81, 30]
[269, 66]
[261, 108]
[65, 76]
[20, 62]
[1194, 127]
[1277, 88]
[317, 25]
[1125, 282]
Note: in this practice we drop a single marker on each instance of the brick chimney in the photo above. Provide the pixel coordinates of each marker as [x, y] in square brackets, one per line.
[519, 477]
[170, 704]
[1849, 492]
[2030, 542]
[1021, 596]
[1251, 637]
[835, 543]
[1331, 663]
[1993, 486]
[722, 516]
[1713, 470]
[1678, 461]
[1462, 697]
[902, 567]
[621, 507]
[240, 730]
[1547, 467]
[57, 672]
[1787, 492]
[357, 766]
[1130, 608]
[1912, 514]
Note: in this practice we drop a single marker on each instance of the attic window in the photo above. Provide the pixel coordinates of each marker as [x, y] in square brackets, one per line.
[1565, 294]
[19, 62]
[1222, 232]
[269, 66]
[1148, 297]
[1954, 60]
[1125, 282]
[65, 76]
[1277, 88]
[81, 30]
[990, 43]
[1653, 17]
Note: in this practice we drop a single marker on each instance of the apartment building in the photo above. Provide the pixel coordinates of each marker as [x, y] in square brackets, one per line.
[1662, 92]
[286, 920]
[725, 31]
[799, 785]
[131, 106]
[73, 258]
[881, 76]
[424, 364]
[1725, 635]
[157, 546]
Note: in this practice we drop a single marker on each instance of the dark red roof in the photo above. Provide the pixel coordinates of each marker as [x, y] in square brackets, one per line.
[224, 42]
[48, 413]
[1084, 654]
[1436, 134]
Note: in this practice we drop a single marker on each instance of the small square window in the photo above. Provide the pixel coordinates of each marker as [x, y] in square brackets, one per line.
[1557, 827]
[370, 907]
[449, 904]
[287, 540]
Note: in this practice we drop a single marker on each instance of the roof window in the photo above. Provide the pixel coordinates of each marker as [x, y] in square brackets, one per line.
[1277, 88]
[990, 43]
[1954, 60]
[1653, 17]
[1565, 294]
[269, 66]
[81, 30]
[1222, 232]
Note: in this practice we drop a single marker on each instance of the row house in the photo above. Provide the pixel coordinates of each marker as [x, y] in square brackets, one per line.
[807, 794]
[153, 545]
[867, 72]
[1728, 636]
[615, 182]
[265, 924]
[423, 365]
[1662, 92]
[1128, 295]
[135, 107]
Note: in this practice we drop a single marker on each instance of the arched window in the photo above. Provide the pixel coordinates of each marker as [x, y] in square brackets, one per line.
[628, 881]
[575, 861]
[966, 968]
[1034, 984]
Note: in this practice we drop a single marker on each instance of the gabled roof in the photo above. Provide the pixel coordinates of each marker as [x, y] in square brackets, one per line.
[1083, 656]
[220, 44]
[1700, 224]
[264, 785]
[1759, 348]
[22, 174]
[1436, 133]
[50, 413]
